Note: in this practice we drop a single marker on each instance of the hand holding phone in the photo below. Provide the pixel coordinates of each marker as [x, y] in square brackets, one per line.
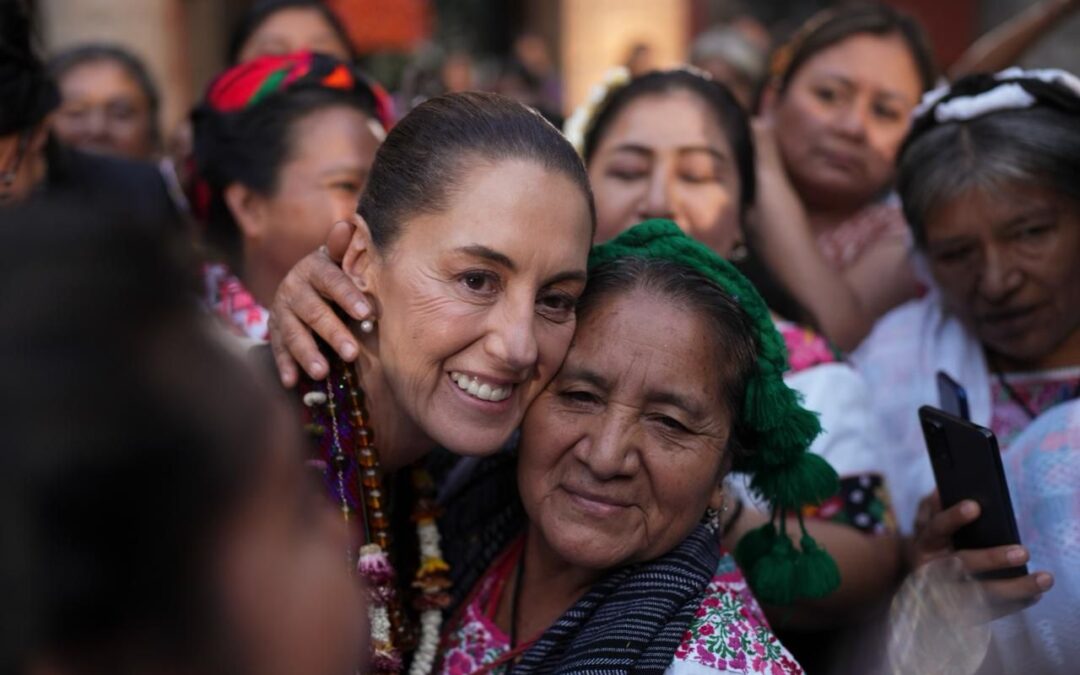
[935, 528]
[967, 466]
[971, 516]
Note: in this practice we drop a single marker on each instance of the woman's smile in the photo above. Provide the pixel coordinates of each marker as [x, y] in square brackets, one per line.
[481, 388]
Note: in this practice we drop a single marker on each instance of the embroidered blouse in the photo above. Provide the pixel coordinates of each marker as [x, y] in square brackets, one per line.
[729, 634]
[228, 299]
[1037, 392]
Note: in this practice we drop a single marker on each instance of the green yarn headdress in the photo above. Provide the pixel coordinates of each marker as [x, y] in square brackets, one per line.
[777, 429]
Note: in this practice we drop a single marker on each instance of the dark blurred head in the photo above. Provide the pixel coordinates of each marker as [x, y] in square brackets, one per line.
[28, 96]
[110, 102]
[841, 94]
[286, 26]
[672, 144]
[282, 168]
[994, 201]
[137, 459]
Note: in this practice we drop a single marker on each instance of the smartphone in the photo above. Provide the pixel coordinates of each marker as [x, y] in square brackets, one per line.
[967, 465]
[952, 398]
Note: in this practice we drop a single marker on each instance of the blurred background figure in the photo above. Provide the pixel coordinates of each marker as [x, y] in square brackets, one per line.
[283, 147]
[640, 59]
[831, 121]
[155, 515]
[287, 26]
[34, 164]
[109, 103]
[732, 57]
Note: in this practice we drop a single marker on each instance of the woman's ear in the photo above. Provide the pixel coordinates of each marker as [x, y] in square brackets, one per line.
[716, 499]
[359, 257]
[247, 210]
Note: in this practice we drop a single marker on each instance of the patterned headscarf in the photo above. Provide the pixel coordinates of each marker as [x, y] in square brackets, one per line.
[776, 426]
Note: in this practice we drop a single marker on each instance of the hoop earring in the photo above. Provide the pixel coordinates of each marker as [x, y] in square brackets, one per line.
[739, 252]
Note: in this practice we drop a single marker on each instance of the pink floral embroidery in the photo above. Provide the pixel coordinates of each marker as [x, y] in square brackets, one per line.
[475, 640]
[805, 347]
[730, 633]
[227, 297]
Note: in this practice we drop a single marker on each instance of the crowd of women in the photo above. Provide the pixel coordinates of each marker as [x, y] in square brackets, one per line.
[314, 385]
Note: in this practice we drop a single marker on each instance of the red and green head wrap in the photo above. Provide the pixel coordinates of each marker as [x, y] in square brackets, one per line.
[775, 427]
[263, 87]
[249, 83]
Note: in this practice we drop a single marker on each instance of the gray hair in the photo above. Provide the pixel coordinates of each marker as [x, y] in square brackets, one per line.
[1036, 146]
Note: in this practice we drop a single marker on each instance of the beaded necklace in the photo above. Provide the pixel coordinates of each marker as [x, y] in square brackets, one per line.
[338, 417]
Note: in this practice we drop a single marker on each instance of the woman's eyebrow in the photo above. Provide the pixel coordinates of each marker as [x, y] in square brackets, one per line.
[489, 254]
[585, 374]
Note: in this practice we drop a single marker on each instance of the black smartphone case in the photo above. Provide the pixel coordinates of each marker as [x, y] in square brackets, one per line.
[967, 465]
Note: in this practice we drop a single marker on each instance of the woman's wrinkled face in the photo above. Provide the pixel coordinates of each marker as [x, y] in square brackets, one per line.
[292, 30]
[477, 301]
[1008, 264]
[290, 600]
[105, 111]
[843, 116]
[624, 450]
[666, 156]
[319, 183]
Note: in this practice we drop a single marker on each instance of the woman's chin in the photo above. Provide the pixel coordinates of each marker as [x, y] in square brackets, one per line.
[472, 442]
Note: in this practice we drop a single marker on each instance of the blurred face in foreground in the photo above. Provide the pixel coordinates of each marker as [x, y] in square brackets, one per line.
[290, 599]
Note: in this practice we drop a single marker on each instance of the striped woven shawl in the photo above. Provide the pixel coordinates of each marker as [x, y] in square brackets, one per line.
[632, 620]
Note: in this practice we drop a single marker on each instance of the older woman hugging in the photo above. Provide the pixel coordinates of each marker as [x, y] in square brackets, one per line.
[673, 380]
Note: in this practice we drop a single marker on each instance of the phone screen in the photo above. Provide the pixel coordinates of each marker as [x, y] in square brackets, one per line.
[952, 398]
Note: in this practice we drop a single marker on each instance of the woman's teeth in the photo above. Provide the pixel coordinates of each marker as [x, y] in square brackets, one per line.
[484, 392]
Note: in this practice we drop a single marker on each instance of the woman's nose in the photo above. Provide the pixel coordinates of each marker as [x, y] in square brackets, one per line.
[1000, 276]
[851, 120]
[610, 447]
[658, 201]
[512, 336]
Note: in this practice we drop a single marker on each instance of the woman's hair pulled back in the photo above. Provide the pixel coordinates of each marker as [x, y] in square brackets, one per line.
[1034, 147]
[832, 26]
[429, 152]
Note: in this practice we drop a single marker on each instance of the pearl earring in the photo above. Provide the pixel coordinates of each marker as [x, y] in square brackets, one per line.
[367, 326]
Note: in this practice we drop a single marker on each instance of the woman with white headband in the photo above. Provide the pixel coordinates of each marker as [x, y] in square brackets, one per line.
[989, 183]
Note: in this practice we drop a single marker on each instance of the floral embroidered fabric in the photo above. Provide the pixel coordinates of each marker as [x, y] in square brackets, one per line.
[729, 635]
[806, 348]
[227, 298]
[1039, 391]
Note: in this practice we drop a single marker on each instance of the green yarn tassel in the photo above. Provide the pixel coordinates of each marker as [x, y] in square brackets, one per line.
[816, 573]
[807, 480]
[754, 545]
[773, 577]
